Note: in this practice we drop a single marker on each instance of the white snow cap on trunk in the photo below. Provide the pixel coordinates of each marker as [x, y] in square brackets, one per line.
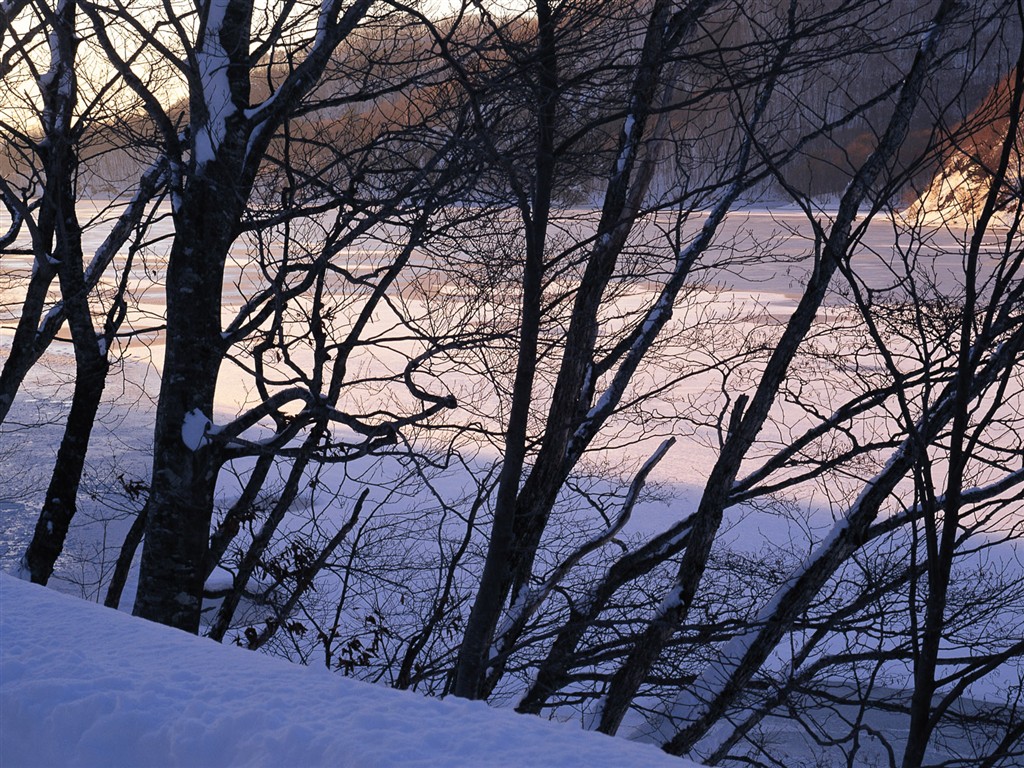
[194, 429]
[213, 73]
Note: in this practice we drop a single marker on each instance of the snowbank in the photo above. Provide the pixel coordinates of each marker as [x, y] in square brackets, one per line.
[87, 686]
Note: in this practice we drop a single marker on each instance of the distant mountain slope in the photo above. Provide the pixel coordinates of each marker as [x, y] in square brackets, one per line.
[957, 193]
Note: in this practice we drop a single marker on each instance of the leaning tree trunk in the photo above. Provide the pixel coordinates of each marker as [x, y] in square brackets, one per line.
[59, 506]
[474, 652]
[649, 644]
[125, 557]
[62, 235]
[943, 535]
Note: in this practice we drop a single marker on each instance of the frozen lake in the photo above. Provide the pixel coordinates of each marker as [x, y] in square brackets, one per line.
[752, 274]
[756, 250]
[748, 284]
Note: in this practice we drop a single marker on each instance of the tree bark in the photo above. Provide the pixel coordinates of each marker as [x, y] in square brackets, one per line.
[60, 504]
[123, 566]
[942, 539]
[471, 665]
[184, 476]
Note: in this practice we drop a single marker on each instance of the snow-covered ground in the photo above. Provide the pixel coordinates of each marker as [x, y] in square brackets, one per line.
[81, 685]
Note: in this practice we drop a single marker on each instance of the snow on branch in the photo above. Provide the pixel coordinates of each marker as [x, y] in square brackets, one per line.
[657, 316]
[332, 26]
[638, 344]
[152, 180]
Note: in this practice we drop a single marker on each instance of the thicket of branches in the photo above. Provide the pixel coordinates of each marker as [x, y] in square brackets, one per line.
[432, 295]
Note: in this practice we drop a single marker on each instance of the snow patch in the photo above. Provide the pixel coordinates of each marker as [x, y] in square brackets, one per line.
[627, 144]
[53, 314]
[213, 74]
[672, 600]
[194, 430]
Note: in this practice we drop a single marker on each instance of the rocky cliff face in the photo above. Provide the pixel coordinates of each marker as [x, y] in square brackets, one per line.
[958, 191]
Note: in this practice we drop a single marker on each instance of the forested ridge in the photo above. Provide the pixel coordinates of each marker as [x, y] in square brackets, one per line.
[109, 165]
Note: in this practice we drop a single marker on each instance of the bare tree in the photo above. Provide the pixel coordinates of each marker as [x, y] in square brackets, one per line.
[488, 251]
[49, 162]
[213, 168]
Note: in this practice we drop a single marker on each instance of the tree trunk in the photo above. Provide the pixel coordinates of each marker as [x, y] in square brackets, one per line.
[471, 666]
[180, 505]
[650, 643]
[59, 505]
[124, 560]
[942, 538]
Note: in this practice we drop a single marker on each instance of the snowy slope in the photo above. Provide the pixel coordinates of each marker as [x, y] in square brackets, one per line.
[84, 685]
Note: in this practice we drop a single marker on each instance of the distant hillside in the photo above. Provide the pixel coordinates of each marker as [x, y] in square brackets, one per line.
[957, 193]
[813, 94]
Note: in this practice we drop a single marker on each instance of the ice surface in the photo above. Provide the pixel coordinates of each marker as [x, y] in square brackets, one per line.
[82, 685]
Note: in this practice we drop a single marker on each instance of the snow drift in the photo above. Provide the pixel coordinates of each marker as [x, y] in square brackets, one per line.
[82, 685]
